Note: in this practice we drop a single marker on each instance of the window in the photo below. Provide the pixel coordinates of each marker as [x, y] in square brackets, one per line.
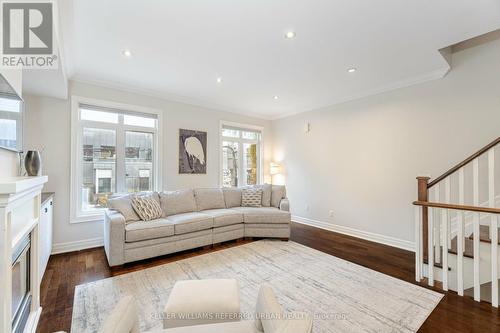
[240, 155]
[10, 122]
[114, 152]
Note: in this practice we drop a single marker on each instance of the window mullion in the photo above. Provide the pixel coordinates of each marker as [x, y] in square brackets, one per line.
[120, 157]
[242, 171]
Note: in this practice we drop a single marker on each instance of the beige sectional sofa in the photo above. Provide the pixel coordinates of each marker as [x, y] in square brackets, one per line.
[191, 219]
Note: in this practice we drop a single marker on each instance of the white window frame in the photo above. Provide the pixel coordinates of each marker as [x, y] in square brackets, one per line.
[76, 214]
[18, 117]
[260, 156]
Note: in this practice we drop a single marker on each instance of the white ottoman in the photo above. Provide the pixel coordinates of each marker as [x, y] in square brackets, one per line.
[197, 302]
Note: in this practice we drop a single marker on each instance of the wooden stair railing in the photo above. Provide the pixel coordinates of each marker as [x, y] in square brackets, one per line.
[425, 226]
[460, 246]
[458, 207]
[465, 162]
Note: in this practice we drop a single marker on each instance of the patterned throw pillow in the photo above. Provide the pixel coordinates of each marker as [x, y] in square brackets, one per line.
[251, 197]
[146, 207]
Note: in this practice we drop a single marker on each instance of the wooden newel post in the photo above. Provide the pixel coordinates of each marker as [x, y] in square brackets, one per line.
[423, 196]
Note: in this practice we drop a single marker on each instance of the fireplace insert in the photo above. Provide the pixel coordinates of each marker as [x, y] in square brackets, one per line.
[21, 291]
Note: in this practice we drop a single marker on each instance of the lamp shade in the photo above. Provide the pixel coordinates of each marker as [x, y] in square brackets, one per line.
[275, 168]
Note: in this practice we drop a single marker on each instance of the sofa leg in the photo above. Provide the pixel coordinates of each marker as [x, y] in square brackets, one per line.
[284, 239]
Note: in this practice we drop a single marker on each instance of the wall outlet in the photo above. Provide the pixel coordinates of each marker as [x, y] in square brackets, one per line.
[330, 213]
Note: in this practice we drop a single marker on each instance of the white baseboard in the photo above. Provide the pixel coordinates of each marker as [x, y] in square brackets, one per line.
[77, 245]
[378, 238]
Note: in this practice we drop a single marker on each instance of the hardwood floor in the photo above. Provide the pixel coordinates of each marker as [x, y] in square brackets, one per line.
[453, 314]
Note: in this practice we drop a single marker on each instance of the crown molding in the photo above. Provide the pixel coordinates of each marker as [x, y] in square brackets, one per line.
[167, 97]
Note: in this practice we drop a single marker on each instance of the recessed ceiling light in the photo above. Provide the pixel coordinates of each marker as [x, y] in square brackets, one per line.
[219, 80]
[127, 53]
[351, 70]
[290, 35]
[275, 97]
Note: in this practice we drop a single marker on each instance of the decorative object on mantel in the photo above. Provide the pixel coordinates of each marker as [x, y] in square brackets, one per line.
[192, 152]
[33, 163]
[21, 162]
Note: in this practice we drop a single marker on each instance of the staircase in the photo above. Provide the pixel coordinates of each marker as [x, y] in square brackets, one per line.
[456, 227]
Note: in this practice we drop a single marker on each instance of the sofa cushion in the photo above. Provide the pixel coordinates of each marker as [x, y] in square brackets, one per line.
[169, 239]
[198, 302]
[189, 222]
[278, 192]
[209, 198]
[224, 217]
[264, 215]
[123, 205]
[177, 202]
[232, 196]
[141, 230]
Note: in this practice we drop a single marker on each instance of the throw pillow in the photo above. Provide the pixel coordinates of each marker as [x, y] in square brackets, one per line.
[146, 207]
[251, 197]
[123, 205]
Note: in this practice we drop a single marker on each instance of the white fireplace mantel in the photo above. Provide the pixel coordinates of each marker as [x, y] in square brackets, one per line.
[20, 199]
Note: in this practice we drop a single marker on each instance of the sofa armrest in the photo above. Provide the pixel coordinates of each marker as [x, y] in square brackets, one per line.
[297, 322]
[285, 204]
[114, 237]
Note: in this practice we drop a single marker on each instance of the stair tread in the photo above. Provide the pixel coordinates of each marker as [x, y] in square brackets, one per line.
[437, 264]
[468, 248]
[484, 234]
[469, 243]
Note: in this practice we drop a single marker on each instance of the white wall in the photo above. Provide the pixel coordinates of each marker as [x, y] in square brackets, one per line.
[361, 158]
[48, 129]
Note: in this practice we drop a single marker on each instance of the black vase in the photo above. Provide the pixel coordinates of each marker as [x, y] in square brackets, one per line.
[33, 163]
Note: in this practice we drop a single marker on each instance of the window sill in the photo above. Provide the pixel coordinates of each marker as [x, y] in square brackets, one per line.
[96, 217]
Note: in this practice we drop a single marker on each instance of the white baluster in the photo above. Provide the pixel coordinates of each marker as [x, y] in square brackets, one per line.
[437, 226]
[444, 222]
[447, 184]
[475, 176]
[421, 246]
[494, 261]
[460, 234]
[418, 236]
[430, 261]
[493, 228]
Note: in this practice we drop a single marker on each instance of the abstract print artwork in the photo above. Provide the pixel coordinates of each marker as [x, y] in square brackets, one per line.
[192, 152]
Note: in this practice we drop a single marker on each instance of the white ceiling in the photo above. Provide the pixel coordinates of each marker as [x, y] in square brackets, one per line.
[180, 47]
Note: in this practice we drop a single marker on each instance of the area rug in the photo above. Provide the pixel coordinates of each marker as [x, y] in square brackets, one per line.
[341, 296]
